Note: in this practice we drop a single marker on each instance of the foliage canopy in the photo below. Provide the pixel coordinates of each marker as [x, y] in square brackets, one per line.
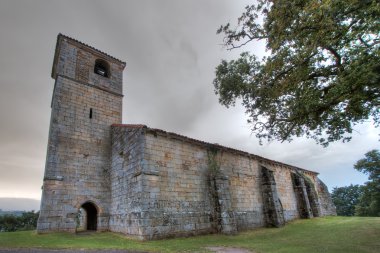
[369, 203]
[322, 75]
[346, 198]
[11, 222]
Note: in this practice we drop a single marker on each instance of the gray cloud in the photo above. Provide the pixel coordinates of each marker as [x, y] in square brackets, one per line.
[171, 49]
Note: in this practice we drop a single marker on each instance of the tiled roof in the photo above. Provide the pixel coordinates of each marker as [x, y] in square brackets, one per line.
[215, 145]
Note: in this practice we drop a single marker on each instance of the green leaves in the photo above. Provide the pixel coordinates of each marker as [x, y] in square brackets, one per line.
[346, 198]
[369, 203]
[361, 200]
[370, 165]
[235, 78]
[11, 222]
[323, 73]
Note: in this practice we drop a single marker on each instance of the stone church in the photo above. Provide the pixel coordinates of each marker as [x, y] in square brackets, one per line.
[147, 183]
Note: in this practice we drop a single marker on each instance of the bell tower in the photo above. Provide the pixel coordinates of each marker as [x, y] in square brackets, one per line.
[87, 100]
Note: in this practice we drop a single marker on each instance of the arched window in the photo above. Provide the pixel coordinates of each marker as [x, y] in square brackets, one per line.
[102, 68]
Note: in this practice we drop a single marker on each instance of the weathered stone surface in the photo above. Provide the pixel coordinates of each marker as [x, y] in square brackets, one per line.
[326, 204]
[78, 157]
[149, 183]
[182, 192]
[273, 210]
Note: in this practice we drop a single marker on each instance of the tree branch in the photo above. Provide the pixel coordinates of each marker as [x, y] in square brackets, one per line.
[338, 58]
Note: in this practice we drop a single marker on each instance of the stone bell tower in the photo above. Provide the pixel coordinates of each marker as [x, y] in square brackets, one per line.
[87, 100]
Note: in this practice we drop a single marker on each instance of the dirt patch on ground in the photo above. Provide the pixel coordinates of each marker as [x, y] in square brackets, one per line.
[228, 250]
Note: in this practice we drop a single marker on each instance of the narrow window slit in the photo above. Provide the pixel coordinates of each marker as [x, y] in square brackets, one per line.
[90, 113]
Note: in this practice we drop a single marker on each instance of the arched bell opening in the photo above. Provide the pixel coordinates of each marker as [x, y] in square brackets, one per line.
[102, 68]
[89, 216]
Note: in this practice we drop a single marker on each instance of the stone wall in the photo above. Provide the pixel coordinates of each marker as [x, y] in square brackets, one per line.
[77, 166]
[76, 61]
[177, 193]
[127, 194]
[78, 157]
[188, 187]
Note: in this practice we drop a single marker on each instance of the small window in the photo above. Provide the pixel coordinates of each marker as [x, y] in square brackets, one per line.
[102, 68]
[90, 116]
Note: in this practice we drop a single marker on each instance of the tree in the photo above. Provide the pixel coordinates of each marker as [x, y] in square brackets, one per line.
[11, 222]
[322, 75]
[346, 198]
[370, 165]
[369, 203]
[28, 220]
[8, 223]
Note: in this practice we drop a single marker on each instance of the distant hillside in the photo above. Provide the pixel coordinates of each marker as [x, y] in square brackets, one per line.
[15, 213]
[20, 204]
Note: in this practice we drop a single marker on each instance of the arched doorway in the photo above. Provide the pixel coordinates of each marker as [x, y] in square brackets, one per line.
[90, 216]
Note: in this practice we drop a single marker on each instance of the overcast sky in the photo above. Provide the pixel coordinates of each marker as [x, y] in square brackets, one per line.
[171, 49]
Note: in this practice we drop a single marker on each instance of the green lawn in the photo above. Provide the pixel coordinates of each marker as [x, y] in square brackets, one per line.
[331, 234]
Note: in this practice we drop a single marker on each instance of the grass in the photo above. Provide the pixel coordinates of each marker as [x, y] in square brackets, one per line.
[329, 234]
